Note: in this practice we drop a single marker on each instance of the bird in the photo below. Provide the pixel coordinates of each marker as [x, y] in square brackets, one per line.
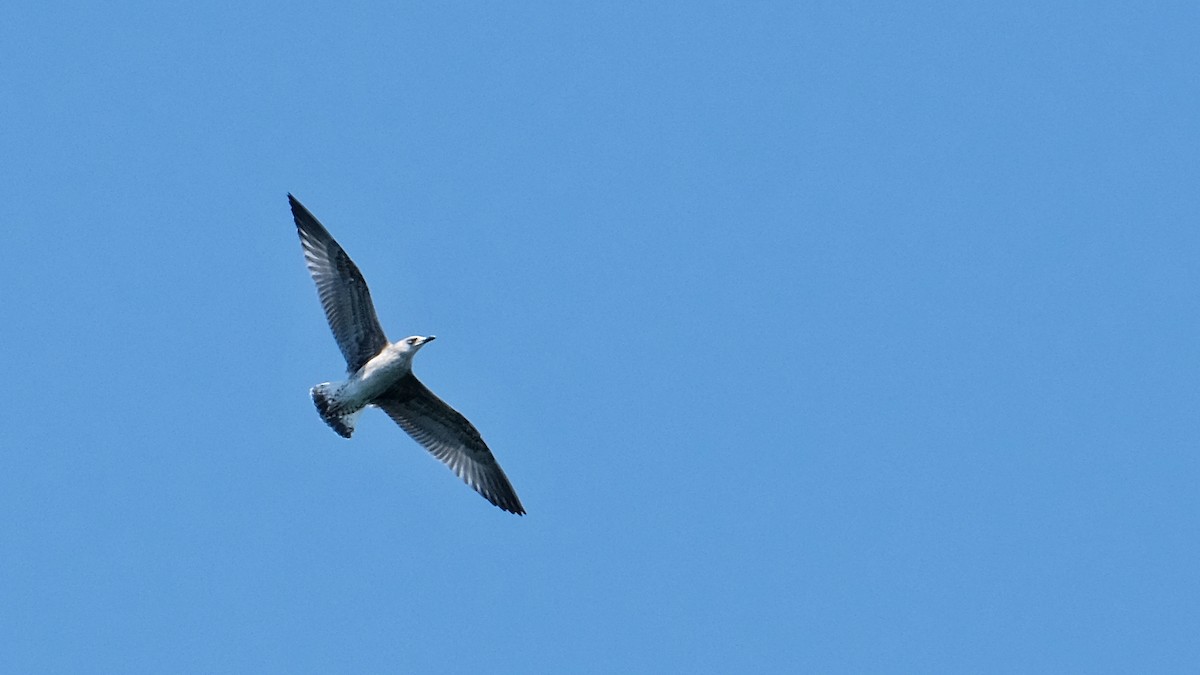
[380, 372]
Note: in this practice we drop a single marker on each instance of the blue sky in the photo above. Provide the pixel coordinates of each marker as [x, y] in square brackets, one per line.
[815, 337]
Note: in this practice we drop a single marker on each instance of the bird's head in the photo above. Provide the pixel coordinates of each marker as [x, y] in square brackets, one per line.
[410, 345]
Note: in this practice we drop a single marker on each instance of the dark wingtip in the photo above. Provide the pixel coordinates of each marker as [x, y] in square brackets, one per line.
[499, 491]
[508, 502]
[306, 221]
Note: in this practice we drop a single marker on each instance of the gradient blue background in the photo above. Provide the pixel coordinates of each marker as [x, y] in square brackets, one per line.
[815, 337]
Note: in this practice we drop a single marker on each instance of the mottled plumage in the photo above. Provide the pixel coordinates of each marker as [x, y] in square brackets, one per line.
[381, 371]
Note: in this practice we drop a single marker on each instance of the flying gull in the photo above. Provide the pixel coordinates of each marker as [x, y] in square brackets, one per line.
[381, 371]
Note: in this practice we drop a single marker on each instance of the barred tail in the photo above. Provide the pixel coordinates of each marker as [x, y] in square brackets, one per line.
[324, 396]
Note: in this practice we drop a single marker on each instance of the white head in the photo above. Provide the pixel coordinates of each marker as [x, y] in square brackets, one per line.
[410, 345]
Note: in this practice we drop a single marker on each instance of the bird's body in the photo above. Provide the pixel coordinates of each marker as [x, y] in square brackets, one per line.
[381, 371]
[375, 377]
[341, 403]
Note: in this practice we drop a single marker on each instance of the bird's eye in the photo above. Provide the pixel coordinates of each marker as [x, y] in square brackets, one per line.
[412, 341]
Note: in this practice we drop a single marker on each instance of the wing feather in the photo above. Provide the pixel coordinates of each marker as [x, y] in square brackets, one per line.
[342, 289]
[451, 438]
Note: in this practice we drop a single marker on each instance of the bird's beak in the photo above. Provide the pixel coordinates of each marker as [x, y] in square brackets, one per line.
[429, 339]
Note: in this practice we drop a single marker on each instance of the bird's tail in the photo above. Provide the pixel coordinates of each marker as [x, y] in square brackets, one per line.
[325, 397]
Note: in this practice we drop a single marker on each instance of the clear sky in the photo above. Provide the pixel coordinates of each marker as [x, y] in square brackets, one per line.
[815, 337]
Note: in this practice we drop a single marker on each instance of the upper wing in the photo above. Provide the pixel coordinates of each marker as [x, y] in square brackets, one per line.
[449, 437]
[343, 291]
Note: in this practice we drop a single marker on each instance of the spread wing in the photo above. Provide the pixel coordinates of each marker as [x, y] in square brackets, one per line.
[342, 289]
[450, 437]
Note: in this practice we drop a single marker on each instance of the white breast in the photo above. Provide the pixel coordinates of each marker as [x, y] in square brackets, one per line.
[376, 376]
